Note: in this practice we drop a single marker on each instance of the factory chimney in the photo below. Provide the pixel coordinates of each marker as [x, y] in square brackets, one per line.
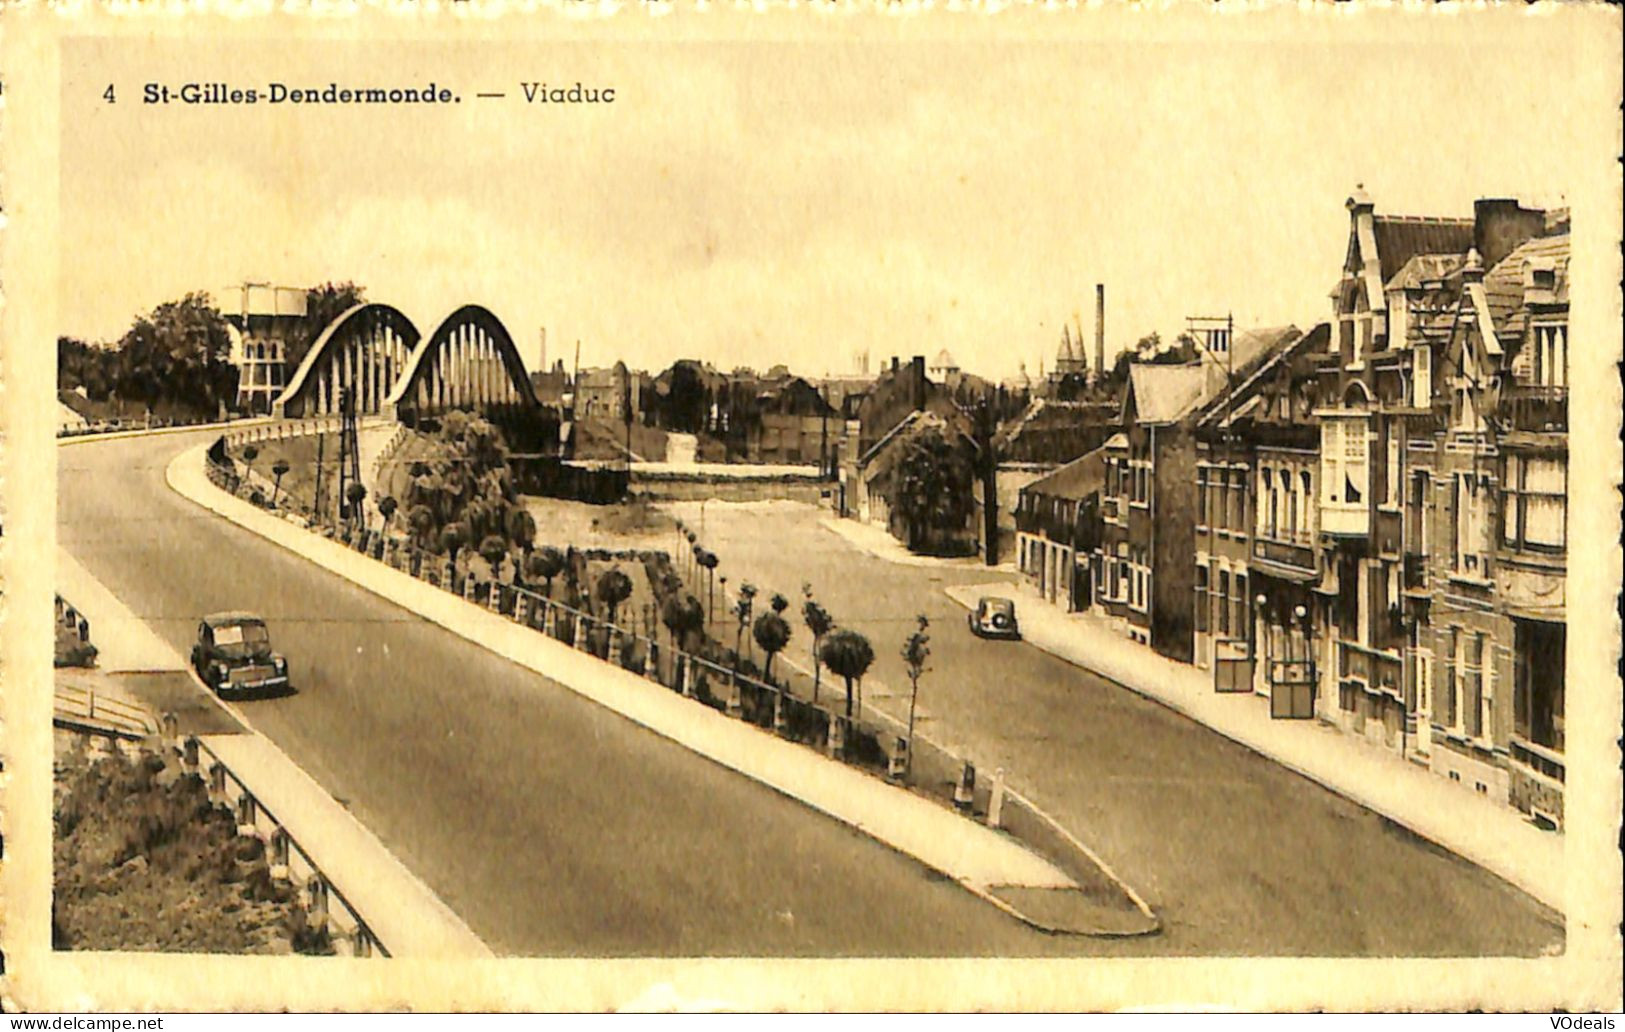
[1100, 330]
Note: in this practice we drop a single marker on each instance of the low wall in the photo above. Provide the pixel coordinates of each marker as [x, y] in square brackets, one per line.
[677, 488]
[326, 907]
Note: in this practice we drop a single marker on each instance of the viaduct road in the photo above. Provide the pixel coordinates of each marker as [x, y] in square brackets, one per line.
[550, 825]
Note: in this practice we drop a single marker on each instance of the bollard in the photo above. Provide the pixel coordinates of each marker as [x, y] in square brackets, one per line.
[651, 663]
[735, 703]
[897, 762]
[686, 677]
[965, 790]
[550, 619]
[521, 608]
[836, 741]
[580, 639]
[995, 805]
[781, 714]
[468, 587]
[493, 601]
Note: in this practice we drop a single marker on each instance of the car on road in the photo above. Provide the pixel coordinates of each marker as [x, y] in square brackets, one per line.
[233, 655]
[995, 617]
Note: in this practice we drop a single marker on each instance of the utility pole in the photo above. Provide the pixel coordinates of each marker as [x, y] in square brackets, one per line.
[988, 467]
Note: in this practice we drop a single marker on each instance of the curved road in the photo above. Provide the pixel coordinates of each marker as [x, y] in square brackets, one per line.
[550, 825]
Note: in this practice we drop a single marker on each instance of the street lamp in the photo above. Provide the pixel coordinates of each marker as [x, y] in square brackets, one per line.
[1259, 602]
[1302, 613]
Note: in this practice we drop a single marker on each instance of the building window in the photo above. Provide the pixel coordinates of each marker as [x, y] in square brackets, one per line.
[1422, 376]
[1551, 356]
[1473, 701]
[1240, 602]
[1452, 685]
[1201, 598]
[1534, 503]
[1300, 506]
[1469, 536]
[1537, 694]
[1201, 496]
[1223, 600]
[1390, 487]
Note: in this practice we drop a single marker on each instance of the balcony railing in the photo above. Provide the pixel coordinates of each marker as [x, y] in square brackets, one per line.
[1374, 669]
[1536, 408]
[1344, 519]
[1285, 553]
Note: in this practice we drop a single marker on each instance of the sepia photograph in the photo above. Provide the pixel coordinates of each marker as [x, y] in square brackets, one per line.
[1073, 498]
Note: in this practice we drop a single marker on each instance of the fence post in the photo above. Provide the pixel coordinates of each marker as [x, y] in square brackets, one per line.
[580, 641]
[550, 618]
[468, 586]
[995, 804]
[493, 601]
[735, 703]
[837, 735]
[651, 662]
[897, 762]
[965, 790]
[781, 714]
[189, 755]
[685, 677]
[521, 607]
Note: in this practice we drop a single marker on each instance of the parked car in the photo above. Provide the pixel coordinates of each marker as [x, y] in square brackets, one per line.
[995, 618]
[233, 655]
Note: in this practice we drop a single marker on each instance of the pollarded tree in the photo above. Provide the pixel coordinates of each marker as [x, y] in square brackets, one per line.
[453, 538]
[772, 633]
[492, 550]
[421, 519]
[545, 563]
[386, 508]
[522, 529]
[683, 617]
[354, 495]
[848, 654]
[614, 587]
[279, 469]
[818, 621]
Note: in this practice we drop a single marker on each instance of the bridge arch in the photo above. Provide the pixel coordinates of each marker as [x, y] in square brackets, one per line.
[469, 362]
[364, 350]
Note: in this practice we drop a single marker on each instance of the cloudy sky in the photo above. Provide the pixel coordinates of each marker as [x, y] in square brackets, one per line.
[757, 201]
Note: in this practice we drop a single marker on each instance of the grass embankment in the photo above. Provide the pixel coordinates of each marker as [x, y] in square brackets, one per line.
[143, 861]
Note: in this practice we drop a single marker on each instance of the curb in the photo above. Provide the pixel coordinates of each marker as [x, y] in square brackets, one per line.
[1540, 892]
[911, 824]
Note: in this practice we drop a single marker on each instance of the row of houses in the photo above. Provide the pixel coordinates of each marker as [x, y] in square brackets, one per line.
[1364, 522]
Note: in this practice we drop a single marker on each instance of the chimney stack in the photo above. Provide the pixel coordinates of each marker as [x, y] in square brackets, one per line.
[1100, 329]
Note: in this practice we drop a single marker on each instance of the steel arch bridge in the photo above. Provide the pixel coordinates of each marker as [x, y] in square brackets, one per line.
[374, 352]
[469, 362]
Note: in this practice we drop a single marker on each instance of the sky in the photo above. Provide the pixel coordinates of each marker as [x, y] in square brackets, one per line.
[756, 201]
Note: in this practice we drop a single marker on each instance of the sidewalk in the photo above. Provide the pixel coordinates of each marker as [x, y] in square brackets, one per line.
[1494, 837]
[882, 545]
[970, 853]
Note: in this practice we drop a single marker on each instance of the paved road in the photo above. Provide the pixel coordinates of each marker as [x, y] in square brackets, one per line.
[1237, 854]
[550, 825]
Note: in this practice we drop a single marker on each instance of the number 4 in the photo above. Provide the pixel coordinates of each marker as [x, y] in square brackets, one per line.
[107, 94]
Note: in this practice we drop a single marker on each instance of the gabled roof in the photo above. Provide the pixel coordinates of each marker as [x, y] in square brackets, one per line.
[1165, 393]
[1273, 346]
[1076, 480]
[1423, 269]
[1400, 238]
[1505, 284]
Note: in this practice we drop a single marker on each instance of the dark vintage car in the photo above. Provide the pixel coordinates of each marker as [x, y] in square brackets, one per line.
[994, 618]
[233, 655]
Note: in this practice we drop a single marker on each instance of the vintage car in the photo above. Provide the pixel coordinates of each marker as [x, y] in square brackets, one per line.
[994, 618]
[233, 655]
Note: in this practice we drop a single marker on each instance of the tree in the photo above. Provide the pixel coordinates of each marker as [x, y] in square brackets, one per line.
[772, 633]
[916, 650]
[778, 603]
[386, 508]
[492, 549]
[250, 453]
[683, 617]
[279, 469]
[522, 529]
[179, 353]
[545, 563]
[708, 560]
[742, 607]
[614, 587]
[932, 487]
[848, 654]
[420, 518]
[453, 537]
[355, 494]
[819, 623]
